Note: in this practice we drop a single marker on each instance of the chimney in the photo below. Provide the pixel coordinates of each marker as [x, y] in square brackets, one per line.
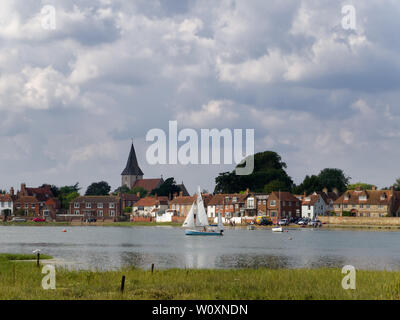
[358, 188]
[23, 186]
[247, 191]
[12, 192]
[156, 196]
[374, 188]
[335, 190]
[181, 193]
[325, 190]
[175, 195]
[138, 194]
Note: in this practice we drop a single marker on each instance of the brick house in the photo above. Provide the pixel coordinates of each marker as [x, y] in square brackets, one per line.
[182, 204]
[99, 207]
[128, 200]
[283, 205]
[229, 205]
[36, 202]
[367, 203]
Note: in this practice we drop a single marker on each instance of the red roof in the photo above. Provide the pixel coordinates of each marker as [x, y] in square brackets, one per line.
[148, 184]
[151, 201]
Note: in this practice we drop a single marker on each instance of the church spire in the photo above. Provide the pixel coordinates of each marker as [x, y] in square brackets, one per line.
[132, 166]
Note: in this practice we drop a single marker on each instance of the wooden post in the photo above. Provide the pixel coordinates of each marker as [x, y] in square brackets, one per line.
[152, 268]
[122, 284]
[14, 274]
[38, 259]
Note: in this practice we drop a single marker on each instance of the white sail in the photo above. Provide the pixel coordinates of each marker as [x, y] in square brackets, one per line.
[201, 217]
[220, 224]
[189, 221]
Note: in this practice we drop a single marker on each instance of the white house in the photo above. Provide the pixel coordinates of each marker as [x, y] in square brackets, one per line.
[313, 206]
[150, 206]
[6, 203]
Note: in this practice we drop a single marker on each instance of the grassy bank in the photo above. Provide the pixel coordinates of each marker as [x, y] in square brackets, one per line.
[36, 224]
[22, 280]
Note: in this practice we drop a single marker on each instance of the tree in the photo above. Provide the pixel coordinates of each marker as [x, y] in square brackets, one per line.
[361, 185]
[334, 178]
[309, 185]
[168, 188]
[101, 188]
[397, 184]
[122, 189]
[142, 191]
[67, 194]
[6, 214]
[275, 185]
[268, 167]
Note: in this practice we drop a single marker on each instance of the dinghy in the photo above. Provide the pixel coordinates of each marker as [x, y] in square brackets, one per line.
[277, 229]
[196, 223]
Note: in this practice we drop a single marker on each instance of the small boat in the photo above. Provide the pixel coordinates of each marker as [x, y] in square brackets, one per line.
[197, 224]
[277, 229]
[251, 227]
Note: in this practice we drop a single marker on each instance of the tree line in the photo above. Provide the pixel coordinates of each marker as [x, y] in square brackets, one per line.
[270, 175]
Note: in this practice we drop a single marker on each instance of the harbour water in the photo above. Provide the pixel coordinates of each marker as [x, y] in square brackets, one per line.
[168, 247]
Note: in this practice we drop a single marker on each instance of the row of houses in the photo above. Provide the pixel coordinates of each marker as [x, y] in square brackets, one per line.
[41, 202]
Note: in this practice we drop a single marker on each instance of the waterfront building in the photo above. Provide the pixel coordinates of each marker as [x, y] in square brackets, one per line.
[6, 204]
[98, 207]
[150, 206]
[283, 205]
[368, 203]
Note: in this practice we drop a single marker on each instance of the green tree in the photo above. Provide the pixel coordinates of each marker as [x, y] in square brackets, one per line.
[168, 188]
[66, 194]
[309, 185]
[334, 178]
[101, 188]
[397, 184]
[268, 167]
[122, 189]
[142, 191]
[361, 185]
[275, 185]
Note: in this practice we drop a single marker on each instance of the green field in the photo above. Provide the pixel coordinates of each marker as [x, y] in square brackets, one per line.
[22, 280]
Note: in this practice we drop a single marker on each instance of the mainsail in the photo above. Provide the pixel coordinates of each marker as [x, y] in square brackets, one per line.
[220, 224]
[189, 221]
[201, 217]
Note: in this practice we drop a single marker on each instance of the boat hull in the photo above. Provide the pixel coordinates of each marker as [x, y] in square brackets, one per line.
[201, 233]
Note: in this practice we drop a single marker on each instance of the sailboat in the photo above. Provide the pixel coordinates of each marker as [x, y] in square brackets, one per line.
[197, 224]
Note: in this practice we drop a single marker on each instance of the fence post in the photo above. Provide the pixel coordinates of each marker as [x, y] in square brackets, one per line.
[122, 284]
[38, 259]
[152, 268]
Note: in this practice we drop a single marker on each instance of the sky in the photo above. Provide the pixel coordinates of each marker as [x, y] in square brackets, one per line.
[73, 98]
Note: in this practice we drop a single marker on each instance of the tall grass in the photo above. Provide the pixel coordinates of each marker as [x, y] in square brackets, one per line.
[22, 280]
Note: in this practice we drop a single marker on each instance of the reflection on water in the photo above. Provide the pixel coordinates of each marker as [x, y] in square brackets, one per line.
[168, 247]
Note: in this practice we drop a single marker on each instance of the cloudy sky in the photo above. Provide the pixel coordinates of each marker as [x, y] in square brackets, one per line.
[321, 96]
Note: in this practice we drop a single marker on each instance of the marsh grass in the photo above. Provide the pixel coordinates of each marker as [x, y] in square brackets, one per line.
[23, 281]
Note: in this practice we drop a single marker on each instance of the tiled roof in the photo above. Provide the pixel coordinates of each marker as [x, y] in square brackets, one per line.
[148, 184]
[374, 197]
[132, 166]
[310, 200]
[105, 199]
[42, 194]
[284, 196]
[5, 198]
[188, 200]
[151, 201]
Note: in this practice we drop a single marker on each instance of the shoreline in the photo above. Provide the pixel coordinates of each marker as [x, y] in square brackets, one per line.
[177, 225]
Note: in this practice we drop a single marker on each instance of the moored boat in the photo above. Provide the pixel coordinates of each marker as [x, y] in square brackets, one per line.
[277, 229]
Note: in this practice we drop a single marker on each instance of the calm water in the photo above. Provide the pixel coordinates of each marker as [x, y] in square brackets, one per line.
[168, 247]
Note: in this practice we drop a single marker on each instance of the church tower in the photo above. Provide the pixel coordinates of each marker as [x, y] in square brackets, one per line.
[132, 172]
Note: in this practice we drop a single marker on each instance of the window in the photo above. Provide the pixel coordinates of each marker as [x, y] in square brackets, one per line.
[18, 206]
[76, 212]
[112, 205]
[273, 203]
[2, 204]
[290, 203]
[112, 213]
[26, 206]
[368, 206]
[88, 205]
[362, 198]
[46, 213]
[100, 205]
[250, 202]
[99, 213]
[338, 206]
[76, 205]
[33, 206]
[264, 202]
[173, 207]
[361, 206]
[345, 206]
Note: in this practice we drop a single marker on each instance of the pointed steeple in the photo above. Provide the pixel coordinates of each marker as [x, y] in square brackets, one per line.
[132, 166]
